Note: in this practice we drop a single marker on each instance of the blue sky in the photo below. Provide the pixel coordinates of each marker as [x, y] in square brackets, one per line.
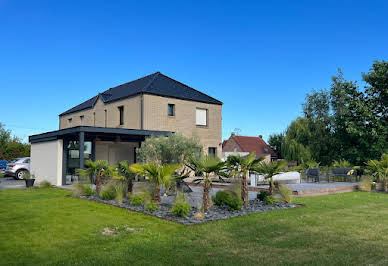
[260, 58]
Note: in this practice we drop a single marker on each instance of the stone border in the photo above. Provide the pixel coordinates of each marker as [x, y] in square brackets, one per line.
[216, 212]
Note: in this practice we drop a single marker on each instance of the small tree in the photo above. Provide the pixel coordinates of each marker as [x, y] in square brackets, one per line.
[269, 170]
[124, 170]
[174, 149]
[205, 166]
[97, 171]
[242, 166]
[157, 174]
[379, 170]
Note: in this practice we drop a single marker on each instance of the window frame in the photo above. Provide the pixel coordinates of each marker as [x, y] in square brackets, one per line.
[211, 154]
[207, 117]
[82, 120]
[120, 109]
[172, 108]
[70, 122]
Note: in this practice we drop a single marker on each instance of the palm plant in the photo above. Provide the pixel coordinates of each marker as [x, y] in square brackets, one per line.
[269, 170]
[205, 166]
[157, 174]
[242, 166]
[97, 171]
[379, 170]
[124, 170]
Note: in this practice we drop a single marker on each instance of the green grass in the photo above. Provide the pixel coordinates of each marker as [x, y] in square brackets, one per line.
[45, 226]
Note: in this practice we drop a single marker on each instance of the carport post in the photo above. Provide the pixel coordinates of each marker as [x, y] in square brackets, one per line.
[81, 150]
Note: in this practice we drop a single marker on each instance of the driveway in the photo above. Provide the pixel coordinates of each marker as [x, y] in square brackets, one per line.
[9, 182]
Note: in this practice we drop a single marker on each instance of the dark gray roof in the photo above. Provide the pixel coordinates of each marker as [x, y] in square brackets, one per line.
[156, 84]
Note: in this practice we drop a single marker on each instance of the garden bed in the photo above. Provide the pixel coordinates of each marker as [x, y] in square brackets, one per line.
[216, 212]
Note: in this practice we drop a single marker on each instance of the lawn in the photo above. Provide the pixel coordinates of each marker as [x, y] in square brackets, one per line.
[46, 226]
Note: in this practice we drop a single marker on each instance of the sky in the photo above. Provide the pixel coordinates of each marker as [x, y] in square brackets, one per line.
[259, 58]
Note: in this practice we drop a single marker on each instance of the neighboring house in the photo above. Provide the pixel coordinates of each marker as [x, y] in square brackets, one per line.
[111, 125]
[243, 145]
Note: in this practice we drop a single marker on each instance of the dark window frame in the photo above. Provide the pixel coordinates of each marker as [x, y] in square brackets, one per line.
[211, 153]
[121, 114]
[172, 106]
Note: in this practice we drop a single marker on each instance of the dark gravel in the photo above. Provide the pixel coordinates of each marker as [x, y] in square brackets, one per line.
[216, 212]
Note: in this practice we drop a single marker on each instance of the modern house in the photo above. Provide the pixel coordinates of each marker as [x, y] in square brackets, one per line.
[111, 125]
[243, 145]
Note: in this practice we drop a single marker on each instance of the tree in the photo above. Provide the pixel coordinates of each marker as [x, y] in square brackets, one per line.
[96, 171]
[379, 170]
[157, 174]
[174, 149]
[276, 141]
[268, 170]
[242, 166]
[124, 169]
[11, 147]
[205, 166]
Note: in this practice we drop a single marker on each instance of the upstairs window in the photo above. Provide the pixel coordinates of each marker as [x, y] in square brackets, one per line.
[201, 117]
[171, 109]
[105, 118]
[82, 120]
[94, 119]
[121, 115]
[70, 122]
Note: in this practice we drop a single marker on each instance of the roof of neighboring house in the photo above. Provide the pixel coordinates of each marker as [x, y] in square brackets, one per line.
[156, 84]
[250, 144]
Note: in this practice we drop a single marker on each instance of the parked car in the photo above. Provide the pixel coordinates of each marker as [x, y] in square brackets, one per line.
[18, 167]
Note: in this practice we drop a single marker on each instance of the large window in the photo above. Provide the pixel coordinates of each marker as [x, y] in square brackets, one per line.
[201, 117]
[171, 109]
[121, 115]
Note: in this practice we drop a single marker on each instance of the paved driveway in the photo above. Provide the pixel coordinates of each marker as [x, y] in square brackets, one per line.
[9, 182]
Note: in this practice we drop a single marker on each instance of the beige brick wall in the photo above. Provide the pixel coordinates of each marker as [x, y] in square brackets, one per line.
[184, 121]
[131, 115]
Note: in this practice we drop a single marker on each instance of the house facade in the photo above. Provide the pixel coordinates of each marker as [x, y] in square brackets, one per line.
[111, 125]
[243, 145]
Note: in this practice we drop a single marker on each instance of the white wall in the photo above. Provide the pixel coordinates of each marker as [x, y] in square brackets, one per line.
[46, 161]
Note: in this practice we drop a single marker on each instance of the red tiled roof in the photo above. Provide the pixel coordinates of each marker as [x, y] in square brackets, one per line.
[253, 144]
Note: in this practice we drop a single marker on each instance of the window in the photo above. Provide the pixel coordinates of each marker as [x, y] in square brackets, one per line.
[94, 119]
[121, 115]
[201, 117]
[70, 122]
[171, 109]
[82, 119]
[26, 161]
[212, 151]
[105, 117]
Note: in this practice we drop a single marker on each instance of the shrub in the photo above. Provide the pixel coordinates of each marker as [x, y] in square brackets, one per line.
[108, 192]
[181, 207]
[88, 190]
[151, 206]
[136, 200]
[45, 184]
[269, 200]
[228, 198]
[285, 193]
[119, 189]
[262, 195]
[365, 184]
[82, 189]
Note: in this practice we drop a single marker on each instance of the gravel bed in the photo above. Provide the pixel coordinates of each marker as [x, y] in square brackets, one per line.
[215, 213]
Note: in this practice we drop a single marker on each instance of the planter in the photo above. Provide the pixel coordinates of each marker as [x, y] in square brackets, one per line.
[29, 182]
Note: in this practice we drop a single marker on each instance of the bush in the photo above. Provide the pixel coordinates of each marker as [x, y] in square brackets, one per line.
[45, 184]
[82, 189]
[108, 193]
[365, 184]
[285, 193]
[136, 200]
[269, 200]
[88, 190]
[151, 206]
[119, 189]
[262, 195]
[181, 207]
[228, 198]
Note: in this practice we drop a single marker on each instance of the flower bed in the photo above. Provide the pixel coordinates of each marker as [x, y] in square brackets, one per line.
[216, 212]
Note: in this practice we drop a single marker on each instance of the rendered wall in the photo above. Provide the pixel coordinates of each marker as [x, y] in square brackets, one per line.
[46, 161]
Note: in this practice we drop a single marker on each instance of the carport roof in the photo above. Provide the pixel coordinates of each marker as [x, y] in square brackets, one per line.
[59, 134]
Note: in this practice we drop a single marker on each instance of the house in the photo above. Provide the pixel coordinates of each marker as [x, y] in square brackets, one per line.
[243, 145]
[111, 125]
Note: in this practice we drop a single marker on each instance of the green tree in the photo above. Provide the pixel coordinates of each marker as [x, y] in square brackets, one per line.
[157, 174]
[268, 170]
[276, 141]
[205, 166]
[242, 167]
[124, 169]
[174, 149]
[11, 147]
[379, 170]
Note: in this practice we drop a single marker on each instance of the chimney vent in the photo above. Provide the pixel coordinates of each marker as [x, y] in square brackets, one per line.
[261, 136]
